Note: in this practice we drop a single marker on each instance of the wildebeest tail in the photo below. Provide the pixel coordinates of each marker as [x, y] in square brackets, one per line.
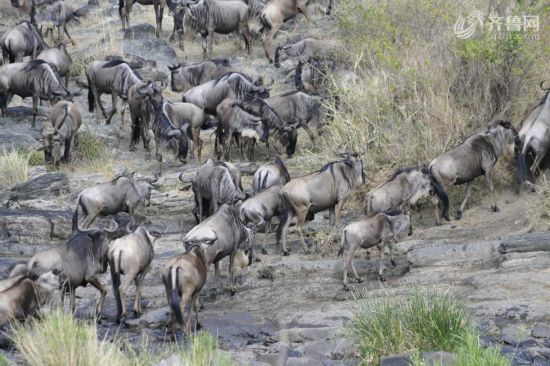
[210, 123]
[343, 243]
[298, 76]
[175, 301]
[115, 275]
[120, 8]
[441, 194]
[75, 215]
[265, 23]
[136, 131]
[522, 166]
[91, 100]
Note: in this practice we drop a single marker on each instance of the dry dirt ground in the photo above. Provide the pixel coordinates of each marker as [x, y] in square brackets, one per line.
[287, 310]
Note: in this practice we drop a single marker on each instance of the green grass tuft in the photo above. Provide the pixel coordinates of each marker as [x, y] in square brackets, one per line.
[14, 166]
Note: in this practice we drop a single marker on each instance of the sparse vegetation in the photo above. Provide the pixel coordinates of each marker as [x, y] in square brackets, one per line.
[423, 321]
[14, 166]
[540, 209]
[59, 340]
[92, 153]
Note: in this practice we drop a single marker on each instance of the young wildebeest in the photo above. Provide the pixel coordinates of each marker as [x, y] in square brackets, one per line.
[36, 79]
[59, 139]
[404, 188]
[22, 40]
[329, 188]
[184, 276]
[109, 77]
[215, 16]
[270, 174]
[274, 14]
[131, 256]
[109, 199]
[213, 185]
[474, 157]
[233, 85]
[381, 230]
[306, 49]
[58, 14]
[22, 297]
[535, 136]
[79, 262]
[235, 121]
[144, 98]
[124, 10]
[226, 235]
[60, 58]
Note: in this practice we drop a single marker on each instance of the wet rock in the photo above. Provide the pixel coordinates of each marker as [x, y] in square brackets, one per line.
[140, 32]
[302, 361]
[151, 49]
[43, 186]
[151, 319]
[540, 331]
[174, 360]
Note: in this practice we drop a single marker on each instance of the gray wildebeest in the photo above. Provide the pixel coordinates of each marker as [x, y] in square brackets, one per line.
[125, 8]
[22, 40]
[59, 138]
[58, 15]
[109, 77]
[306, 49]
[535, 136]
[144, 98]
[131, 256]
[36, 79]
[474, 157]
[225, 235]
[270, 174]
[382, 230]
[22, 297]
[79, 262]
[274, 14]
[232, 85]
[216, 16]
[215, 184]
[59, 57]
[184, 277]
[171, 138]
[238, 123]
[404, 188]
[329, 188]
[124, 195]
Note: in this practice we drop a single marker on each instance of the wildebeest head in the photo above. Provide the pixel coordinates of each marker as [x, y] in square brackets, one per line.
[151, 92]
[144, 186]
[356, 162]
[419, 181]
[401, 222]
[173, 140]
[504, 136]
[54, 146]
[177, 81]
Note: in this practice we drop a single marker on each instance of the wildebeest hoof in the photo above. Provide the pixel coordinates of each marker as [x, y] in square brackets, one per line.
[257, 259]
[393, 263]
[447, 218]
[286, 253]
[307, 252]
[346, 288]
[233, 291]
[132, 148]
[359, 280]
[137, 314]
[198, 326]
[381, 278]
[495, 209]
[458, 215]
[263, 250]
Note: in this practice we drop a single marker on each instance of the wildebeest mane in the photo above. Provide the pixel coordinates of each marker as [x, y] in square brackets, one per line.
[124, 78]
[43, 78]
[401, 170]
[221, 62]
[392, 212]
[286, 94]
[281, 164]
[31, 65]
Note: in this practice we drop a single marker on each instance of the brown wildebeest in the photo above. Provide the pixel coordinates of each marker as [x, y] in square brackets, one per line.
[59, 140]
[270, 174]
[474, 157]
[306, 49]
[274, 14]
[59, 57]
[379, 230]
[22, 40]
[144, 98]
[329, 188]
[124, 10]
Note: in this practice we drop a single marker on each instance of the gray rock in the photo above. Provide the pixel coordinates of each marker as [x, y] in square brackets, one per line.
[532, 242]
[344, 348]
[43, 186]
[397, 360]
[140, 32]
[151, 49]
[541, 331]
[36, 171]
[430, 358]
[302, 361]
[301, 335]
[150, 319]
[513, 334]
[318, 350]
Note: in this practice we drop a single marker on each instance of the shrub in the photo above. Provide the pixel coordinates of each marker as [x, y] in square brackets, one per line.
[423, 321]
[14, 167]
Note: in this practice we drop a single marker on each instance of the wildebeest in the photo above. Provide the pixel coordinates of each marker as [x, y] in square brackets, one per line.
[22, 297]
[109, 77]
[184, 276]
[109, 199]
[235, 121]
[274, 14]
[131, 256]
[79, 262]
[58, 14]
[381, 230]
[535, 136]
[215, 16]
[474, 157]
[59, 139]
[171, 138]
[144, 98]
[213, 185]
[233, 85]
[22, 40]
[36, 79]
[270, 174]
[305, 50]
[329, 188]
[405, 187]
[60, 58]
[30, 6]
[225, 234]
[125, 8]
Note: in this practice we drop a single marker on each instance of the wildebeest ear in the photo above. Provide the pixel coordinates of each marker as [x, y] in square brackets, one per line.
[408, 213]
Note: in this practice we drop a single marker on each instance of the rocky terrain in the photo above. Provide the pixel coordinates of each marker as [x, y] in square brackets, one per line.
[287, 310]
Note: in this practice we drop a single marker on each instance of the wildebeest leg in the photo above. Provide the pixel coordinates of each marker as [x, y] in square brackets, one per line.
[338, 211]
[139, 284]
[34, 109]
[157, 19]
[246, 35]
[232, 287]
[113, 110]
[186, 298]
[284, 232]
[216, 270]
[347, 263]
[102, 293]
[392, 259]
[197, 306]
[72, 302]
[99, 105]
[382, 267]
[210, 40]
[204, 47]
[331, 215]
[469, 187]
[198, 144]
[309, 132]
[122, 293]
[489, 177]
[68, 144]
[68, 35]
[301, 219]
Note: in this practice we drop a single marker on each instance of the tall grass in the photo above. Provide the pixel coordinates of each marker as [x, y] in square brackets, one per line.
[14, 167]
[539, 211]
[423, 321]
[61, 340]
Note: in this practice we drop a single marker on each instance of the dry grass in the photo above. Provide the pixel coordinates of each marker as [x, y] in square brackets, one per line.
[14, 166]
[539, 212]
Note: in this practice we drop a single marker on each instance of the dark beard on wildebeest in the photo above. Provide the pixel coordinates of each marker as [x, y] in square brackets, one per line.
[169, 138]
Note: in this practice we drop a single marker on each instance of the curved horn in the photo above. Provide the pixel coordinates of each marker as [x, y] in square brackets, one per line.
[174, 132]
[113, 227]
[152, 180]
[542, 86]
[133, 176]
[129, 228]
[163, 85]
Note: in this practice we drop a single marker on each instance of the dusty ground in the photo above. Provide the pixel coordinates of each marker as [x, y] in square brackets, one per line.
[286, 307]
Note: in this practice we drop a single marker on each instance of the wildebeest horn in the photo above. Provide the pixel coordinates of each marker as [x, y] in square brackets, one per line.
[174, 132]
[113, 226]
[133, 176]
[76, 93]
[542, 85]
[129, 228]
[163, 85]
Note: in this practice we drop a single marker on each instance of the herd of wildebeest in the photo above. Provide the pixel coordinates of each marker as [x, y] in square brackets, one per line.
[238, 107]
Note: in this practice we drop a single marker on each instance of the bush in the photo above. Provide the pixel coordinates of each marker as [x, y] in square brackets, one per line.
[424, 321]
[14, 166]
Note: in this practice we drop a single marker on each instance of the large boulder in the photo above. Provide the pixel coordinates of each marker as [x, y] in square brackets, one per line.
[42, 186]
